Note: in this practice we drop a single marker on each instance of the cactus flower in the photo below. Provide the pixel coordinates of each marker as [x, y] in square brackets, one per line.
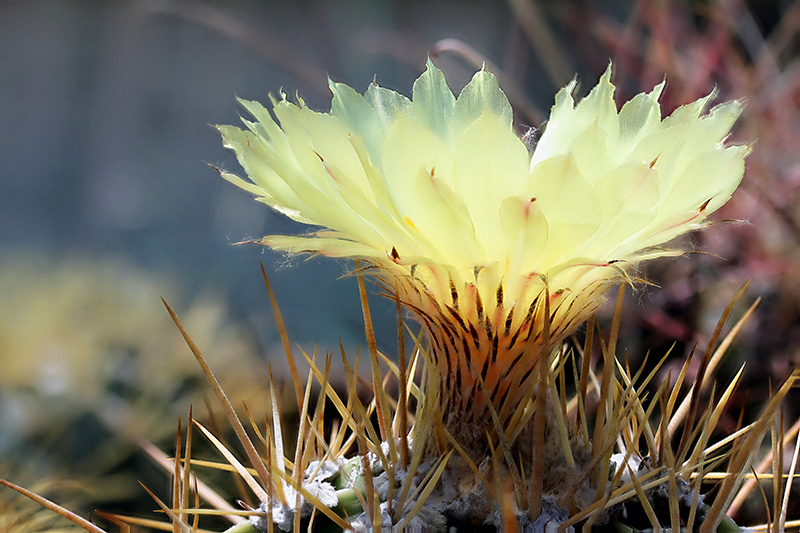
[474, 227]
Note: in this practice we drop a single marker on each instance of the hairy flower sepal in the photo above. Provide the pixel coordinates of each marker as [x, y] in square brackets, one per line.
[472, 229]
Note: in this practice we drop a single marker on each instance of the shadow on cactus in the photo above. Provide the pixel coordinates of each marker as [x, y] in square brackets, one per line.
[500, 249]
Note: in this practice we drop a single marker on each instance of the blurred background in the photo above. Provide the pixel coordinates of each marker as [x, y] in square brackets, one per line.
[107, 202]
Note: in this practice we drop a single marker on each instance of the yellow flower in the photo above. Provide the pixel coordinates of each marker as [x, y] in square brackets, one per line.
[451, 207]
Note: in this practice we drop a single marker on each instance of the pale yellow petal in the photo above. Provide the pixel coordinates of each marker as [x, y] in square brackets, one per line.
[481, 95]
[387, 105]
[568, 202]
[411, 147]
[433, 101]
[359, 117]
[639, 115]
[490, 163]
[526, 232]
